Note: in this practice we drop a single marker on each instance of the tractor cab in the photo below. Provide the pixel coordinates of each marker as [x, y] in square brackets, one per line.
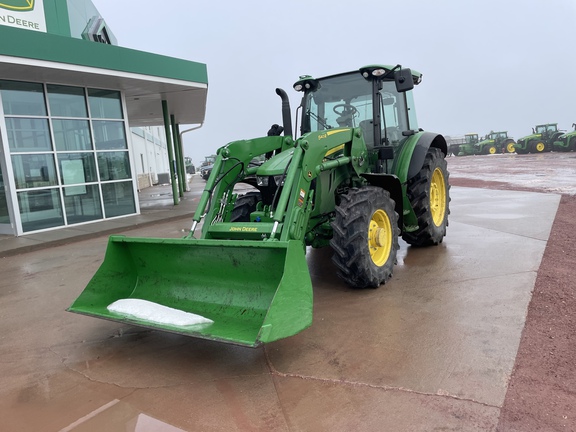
[547, 130]
[376, 99]
[471, 138]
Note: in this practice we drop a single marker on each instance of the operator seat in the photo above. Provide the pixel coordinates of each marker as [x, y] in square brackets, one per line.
[393, 134]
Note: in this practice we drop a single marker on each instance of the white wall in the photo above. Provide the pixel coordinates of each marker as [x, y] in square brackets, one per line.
[150, 152]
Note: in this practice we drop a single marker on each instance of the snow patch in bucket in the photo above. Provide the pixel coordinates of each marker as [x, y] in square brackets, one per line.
[154, 312]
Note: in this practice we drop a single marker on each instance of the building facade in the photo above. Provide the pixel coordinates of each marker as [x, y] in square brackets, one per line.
[84, 123]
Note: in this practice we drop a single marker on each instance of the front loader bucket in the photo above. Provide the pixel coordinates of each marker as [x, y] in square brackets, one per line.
[250, 292]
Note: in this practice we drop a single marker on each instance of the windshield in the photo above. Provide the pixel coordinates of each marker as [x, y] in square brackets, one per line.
[346, 101]
[342, 101]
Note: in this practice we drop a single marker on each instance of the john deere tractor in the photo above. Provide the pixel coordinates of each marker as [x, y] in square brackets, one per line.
[495, 142]
[541, 140]
[465, 146]
[566, 142]
[361, 175]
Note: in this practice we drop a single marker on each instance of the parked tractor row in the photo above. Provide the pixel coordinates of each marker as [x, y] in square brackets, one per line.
[492, 143]
[544, 138]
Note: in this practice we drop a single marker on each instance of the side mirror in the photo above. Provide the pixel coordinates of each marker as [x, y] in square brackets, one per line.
[403, 79]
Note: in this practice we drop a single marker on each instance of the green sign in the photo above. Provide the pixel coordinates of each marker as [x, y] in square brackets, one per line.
[17, 5]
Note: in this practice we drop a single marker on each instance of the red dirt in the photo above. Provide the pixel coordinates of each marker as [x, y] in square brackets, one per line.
[542, 390]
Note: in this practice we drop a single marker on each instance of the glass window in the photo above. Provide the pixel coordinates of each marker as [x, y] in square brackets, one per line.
[28, 134]
[82, 203]
[341, 101]
[66, 101]
[21, 98]
[118, 199]
[72, 135]
[105, 104]
[114, 165]
[34, 170]
[76, 168]
[412, 119]
[40, 209]
[109, 135]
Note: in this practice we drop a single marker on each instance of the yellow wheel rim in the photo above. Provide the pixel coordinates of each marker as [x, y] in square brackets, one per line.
[510, 148]
[540, 146]
[438, 197]
[380, 236]
[492, 150]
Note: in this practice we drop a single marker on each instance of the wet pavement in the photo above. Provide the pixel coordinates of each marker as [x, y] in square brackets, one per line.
[550, 172]
[431, 350]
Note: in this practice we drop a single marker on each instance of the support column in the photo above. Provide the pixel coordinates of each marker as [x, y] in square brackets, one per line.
[182, 158]
[170, 151]
[178, 157]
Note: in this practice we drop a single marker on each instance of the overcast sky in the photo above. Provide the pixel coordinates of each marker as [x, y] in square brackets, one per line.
[486, 64]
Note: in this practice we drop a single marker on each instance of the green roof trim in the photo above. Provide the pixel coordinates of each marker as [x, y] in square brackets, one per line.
[60, 49]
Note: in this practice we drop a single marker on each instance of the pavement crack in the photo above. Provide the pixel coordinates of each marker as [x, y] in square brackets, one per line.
[334, 381]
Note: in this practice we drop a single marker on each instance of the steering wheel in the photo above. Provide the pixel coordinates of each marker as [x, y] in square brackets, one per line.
[347, 109]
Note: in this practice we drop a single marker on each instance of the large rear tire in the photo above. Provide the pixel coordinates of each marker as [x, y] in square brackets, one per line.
[365, 237]
[428, 192]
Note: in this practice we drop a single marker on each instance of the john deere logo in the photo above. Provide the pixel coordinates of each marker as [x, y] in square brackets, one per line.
[17, 5]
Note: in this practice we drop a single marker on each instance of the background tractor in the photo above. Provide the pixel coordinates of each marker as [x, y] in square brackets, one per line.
[361, 175]
[495, 142]
[464, 146]
[566, 142]
[206, 166]
[541, 140]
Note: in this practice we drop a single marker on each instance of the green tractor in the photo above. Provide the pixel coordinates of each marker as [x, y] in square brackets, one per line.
[566, 142]
[495, 142]
[361, 175]
[464, 146]
[542, 139]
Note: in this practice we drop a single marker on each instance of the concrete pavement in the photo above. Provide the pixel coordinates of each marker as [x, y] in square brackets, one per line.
[431, 350]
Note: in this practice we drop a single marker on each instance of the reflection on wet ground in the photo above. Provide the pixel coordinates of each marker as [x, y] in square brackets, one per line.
[550, 172]
[116, 416]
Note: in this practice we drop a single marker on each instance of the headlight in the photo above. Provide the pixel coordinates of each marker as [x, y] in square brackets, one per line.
[261, 181]
[279, 180]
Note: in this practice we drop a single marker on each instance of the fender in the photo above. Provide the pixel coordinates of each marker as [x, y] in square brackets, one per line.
[413, 152]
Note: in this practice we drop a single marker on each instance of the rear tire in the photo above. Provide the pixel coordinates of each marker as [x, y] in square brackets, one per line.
[244, 205]
[365, 237]
[428, 192]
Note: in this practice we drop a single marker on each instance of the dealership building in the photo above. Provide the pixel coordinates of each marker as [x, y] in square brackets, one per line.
[84, 123]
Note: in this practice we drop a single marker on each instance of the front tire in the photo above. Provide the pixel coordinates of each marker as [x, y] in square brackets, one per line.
[365, 237]
[244, 205]
[537, 147]
[490, 149]
[509, 146]
[428, 192]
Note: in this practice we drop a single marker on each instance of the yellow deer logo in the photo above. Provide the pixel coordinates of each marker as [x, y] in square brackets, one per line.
[17, 5]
